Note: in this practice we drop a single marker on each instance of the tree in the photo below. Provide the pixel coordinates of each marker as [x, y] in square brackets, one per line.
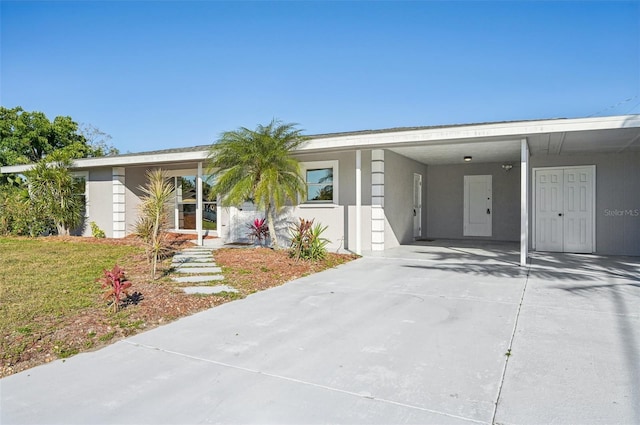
[98, 141]
[56, 192]
[28, 137]
[258, 165]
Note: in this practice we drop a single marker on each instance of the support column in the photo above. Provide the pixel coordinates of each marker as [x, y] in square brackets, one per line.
[359, 202]
[377, 200]
[524, 202]
[199, 203]
[119, 202]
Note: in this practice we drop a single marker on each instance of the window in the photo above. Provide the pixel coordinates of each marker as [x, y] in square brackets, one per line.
[322, 182]
[81, 179]
[320, 185]
[186, 202]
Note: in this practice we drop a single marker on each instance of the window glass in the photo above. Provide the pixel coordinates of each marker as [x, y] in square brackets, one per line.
[320, 185]
[209, 205]
[207, 184]
[186, 199]
[187, 188]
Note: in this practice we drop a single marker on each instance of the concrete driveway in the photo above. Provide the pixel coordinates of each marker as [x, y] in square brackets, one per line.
[418, 334]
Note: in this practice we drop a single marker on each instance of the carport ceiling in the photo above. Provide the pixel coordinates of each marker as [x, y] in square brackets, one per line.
[578, 142]
[454, 153]
[598, 141]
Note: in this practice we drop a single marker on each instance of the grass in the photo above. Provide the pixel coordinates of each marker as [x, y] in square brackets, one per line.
[45, 281]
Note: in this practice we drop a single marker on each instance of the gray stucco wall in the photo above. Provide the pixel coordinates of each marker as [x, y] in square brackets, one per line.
[398, 198]
[617, 198]
[100, 202]
[134, 178]
[445, 200]
[340, 219]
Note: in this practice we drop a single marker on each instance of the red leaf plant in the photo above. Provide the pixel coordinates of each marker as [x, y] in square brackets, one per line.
[258, 230]
[115, 284]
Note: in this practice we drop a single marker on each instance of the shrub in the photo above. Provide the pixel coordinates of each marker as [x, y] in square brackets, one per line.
[20, 215]
[258, 230]
[96, 231]
[115, 284]
[307, 242]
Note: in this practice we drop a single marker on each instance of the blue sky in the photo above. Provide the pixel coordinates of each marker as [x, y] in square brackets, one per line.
[164, 74]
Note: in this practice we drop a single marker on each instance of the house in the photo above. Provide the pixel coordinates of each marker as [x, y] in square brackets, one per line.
[563, 185]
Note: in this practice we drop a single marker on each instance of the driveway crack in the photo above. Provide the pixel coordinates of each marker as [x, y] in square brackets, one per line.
[508, 353]
[302, 382]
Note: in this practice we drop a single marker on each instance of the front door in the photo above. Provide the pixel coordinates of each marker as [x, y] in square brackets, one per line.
[477, 206]
[417, 206]
[564, 209]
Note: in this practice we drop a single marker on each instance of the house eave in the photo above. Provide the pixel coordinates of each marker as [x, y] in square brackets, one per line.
[480, 132]
[121, 161]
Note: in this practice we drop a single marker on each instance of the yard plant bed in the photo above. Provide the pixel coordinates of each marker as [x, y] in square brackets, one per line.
[51, 306]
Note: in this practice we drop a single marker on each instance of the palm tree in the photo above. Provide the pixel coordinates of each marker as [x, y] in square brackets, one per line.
[258, 165]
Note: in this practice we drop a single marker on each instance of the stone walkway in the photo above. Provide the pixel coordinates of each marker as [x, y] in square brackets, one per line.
[199, 270]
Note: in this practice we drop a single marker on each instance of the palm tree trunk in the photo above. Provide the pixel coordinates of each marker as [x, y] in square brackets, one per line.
[272, 227]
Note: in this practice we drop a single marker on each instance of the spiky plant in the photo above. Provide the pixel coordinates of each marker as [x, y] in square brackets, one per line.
[258, 164]
[152, 223]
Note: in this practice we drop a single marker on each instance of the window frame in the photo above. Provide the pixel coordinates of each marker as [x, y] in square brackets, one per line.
[319, 165]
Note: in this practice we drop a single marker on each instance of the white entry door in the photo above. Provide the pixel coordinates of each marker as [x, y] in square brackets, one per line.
[477, 206]
[417, 205]
[564, 209]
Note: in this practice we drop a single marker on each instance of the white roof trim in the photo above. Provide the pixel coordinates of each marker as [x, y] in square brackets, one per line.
[481, 132]
[119, 161]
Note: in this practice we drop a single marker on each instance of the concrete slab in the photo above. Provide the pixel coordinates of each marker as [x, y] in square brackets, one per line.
[570, 366]
[156, 386]
[577, 347]
[390, 346]
[198, 279]
[195, 252]
[193, 255]
[209, 289]
[195, 264]
[191, 259]
[198, 270]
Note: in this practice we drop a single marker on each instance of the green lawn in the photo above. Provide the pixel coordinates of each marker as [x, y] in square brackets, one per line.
[44, 281]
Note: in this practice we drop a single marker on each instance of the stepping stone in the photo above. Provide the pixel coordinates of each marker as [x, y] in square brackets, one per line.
[190, 259]
[198, 270]
[193, 254]
[209, 289]
[198, 279]
[196, 265]
[196, 250]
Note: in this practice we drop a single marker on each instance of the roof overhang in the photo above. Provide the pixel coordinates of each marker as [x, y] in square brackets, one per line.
[470, 133]
[124, 160]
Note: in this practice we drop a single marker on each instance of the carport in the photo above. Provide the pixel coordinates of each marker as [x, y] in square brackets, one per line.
[595, 159]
